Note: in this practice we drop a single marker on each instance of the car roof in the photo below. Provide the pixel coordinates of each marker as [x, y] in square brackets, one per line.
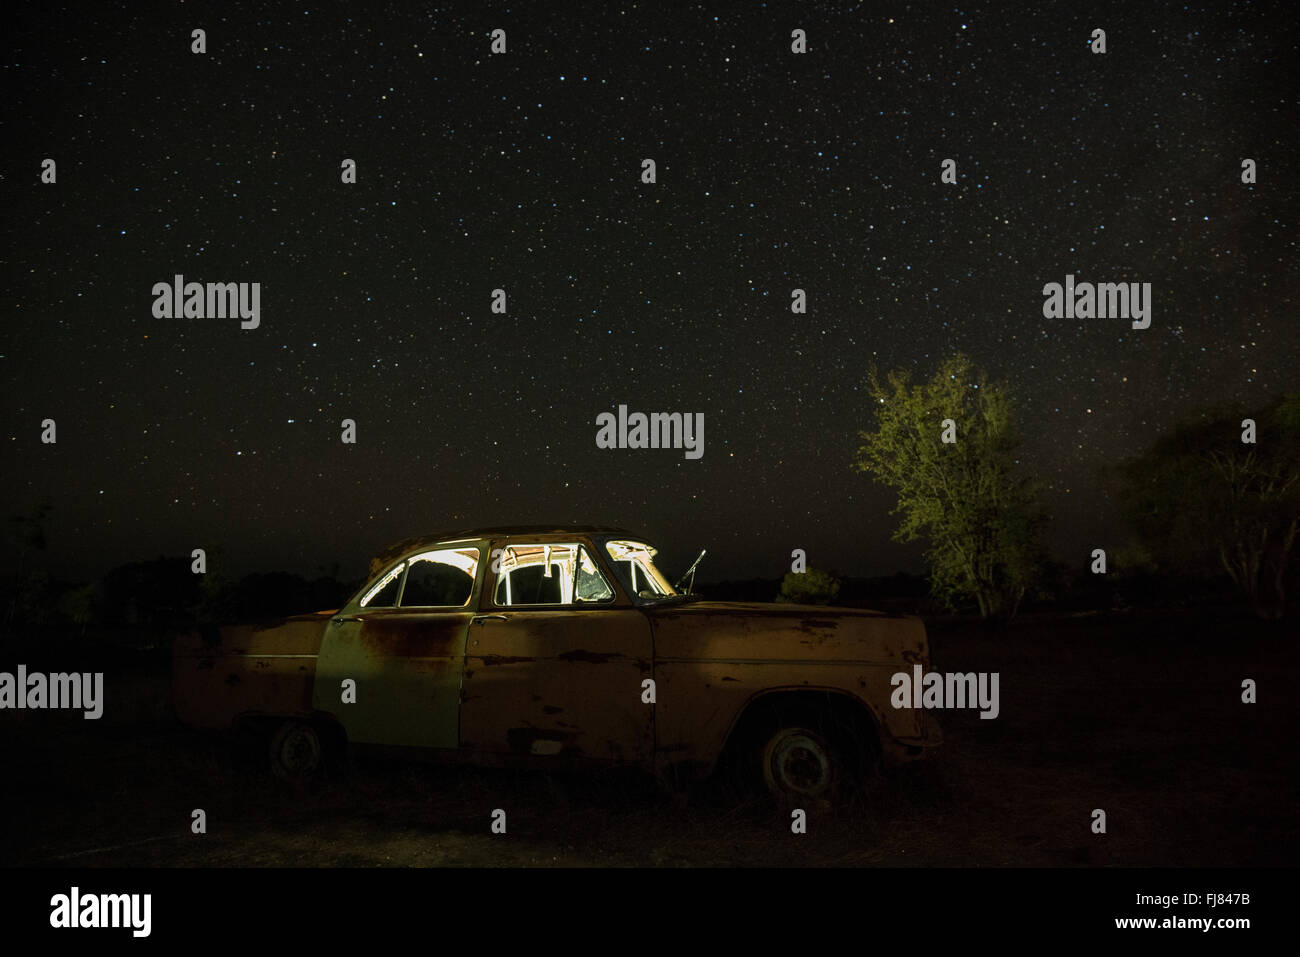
[541, 532]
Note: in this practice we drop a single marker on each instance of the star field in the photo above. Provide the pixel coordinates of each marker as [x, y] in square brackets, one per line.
[521, 171]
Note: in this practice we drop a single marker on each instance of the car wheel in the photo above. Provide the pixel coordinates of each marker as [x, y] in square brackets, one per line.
[296, 751]
[800, 765]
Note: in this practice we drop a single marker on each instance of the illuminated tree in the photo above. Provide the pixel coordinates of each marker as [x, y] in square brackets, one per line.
[967, 497]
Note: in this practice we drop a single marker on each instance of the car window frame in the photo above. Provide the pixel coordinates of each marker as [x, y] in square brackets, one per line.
[471, 604]
[410, 560]
[488, 600]
[634, 599]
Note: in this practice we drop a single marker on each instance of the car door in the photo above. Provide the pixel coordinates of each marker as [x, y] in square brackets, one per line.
[402, 645]
[556, 660]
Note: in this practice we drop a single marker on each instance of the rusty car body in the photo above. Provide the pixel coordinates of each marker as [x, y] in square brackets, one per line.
[547, 646]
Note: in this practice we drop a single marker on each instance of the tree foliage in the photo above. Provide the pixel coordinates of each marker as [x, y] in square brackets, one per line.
[968, 500]
[810, 587]
[1203, 500]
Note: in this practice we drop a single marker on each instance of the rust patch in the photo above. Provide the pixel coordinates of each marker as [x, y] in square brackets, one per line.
[205, 664]
[490, 660]
[551, 709]
[726, 678]
[412, 637]
[590, 657]
[912, 657]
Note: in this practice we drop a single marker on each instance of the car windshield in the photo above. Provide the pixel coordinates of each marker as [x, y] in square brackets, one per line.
[633, 562]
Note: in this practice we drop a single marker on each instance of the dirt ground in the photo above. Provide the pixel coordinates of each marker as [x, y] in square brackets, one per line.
[1139, 715]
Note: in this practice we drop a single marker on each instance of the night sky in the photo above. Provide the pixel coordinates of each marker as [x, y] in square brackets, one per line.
[522, 171]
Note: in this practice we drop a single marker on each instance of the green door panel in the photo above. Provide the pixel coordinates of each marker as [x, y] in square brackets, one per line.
[407, 665]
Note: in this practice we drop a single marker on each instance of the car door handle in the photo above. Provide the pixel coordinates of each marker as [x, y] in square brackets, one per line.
[342, 618]
[479, 619]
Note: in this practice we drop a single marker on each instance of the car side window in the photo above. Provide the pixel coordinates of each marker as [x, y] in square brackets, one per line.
[442, 578]
[549, 574]
[532, 585]
[590, 584]
[632, 563]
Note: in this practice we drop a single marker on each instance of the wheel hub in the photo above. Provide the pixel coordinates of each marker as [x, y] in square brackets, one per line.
[800, 764]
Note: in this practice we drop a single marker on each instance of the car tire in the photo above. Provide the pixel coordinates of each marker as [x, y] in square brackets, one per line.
[800, 765]
[296, 751]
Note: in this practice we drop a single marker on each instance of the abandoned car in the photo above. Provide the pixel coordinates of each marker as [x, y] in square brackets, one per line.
[548, 646]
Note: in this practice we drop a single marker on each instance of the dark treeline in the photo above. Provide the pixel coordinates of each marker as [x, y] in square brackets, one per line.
[1059, 588]
[164, 594]
[1212, 505]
